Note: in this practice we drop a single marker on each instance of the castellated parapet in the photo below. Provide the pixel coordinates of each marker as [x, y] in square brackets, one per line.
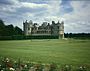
[56, 29]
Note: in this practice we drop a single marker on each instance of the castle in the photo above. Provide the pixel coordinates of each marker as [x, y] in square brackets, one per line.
[55, 29]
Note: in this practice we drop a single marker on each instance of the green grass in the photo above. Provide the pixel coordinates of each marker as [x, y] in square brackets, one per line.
[74, 52]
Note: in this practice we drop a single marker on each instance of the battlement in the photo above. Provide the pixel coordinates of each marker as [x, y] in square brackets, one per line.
[45, 28]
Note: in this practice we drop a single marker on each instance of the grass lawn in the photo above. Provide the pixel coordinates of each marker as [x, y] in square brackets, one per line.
[74, 52]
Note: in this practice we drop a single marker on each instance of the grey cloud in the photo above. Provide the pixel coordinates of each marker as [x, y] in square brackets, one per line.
[13, 12]
[8, 2]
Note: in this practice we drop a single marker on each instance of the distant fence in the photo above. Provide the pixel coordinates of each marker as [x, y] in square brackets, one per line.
[22, 37]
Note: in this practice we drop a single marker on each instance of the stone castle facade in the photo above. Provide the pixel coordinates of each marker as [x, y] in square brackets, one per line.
[55, 29]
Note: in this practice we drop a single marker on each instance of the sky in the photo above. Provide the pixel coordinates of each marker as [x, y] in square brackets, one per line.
[74, 13]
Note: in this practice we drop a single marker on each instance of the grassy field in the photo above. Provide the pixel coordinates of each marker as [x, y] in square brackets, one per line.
[74, 52]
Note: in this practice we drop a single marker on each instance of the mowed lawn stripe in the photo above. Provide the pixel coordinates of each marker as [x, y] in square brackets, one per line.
[47, 51]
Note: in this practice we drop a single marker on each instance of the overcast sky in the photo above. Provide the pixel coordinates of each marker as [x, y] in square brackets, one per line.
[75, 13]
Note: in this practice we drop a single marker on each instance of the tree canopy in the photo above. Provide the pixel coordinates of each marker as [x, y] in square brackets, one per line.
[9, 30]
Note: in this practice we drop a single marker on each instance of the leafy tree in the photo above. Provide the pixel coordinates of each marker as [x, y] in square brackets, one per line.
[18, 31]
[9, 30]
[2, 28]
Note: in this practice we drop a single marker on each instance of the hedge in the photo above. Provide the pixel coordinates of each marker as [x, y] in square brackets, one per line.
[23, 37]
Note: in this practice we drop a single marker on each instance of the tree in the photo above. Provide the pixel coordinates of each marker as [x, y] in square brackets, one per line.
[18, 31]
[2, 28]
[9, 30]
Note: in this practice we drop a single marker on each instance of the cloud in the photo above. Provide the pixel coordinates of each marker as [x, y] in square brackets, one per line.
[8, 2]
[75, 19]
[54, 7]
[74, 13]
[8, 5]
[20, 10]
[51, 11]
[33, 5]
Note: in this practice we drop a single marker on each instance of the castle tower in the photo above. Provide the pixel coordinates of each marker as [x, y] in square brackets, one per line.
[30, 27]
[53, 28]
[61, 30]
[27, 27]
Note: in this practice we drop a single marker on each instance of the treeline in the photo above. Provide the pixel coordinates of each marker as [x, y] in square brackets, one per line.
[9, 30]
[77, 35]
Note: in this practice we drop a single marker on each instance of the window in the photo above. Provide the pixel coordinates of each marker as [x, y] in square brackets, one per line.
[57, 27]
[28, 28]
